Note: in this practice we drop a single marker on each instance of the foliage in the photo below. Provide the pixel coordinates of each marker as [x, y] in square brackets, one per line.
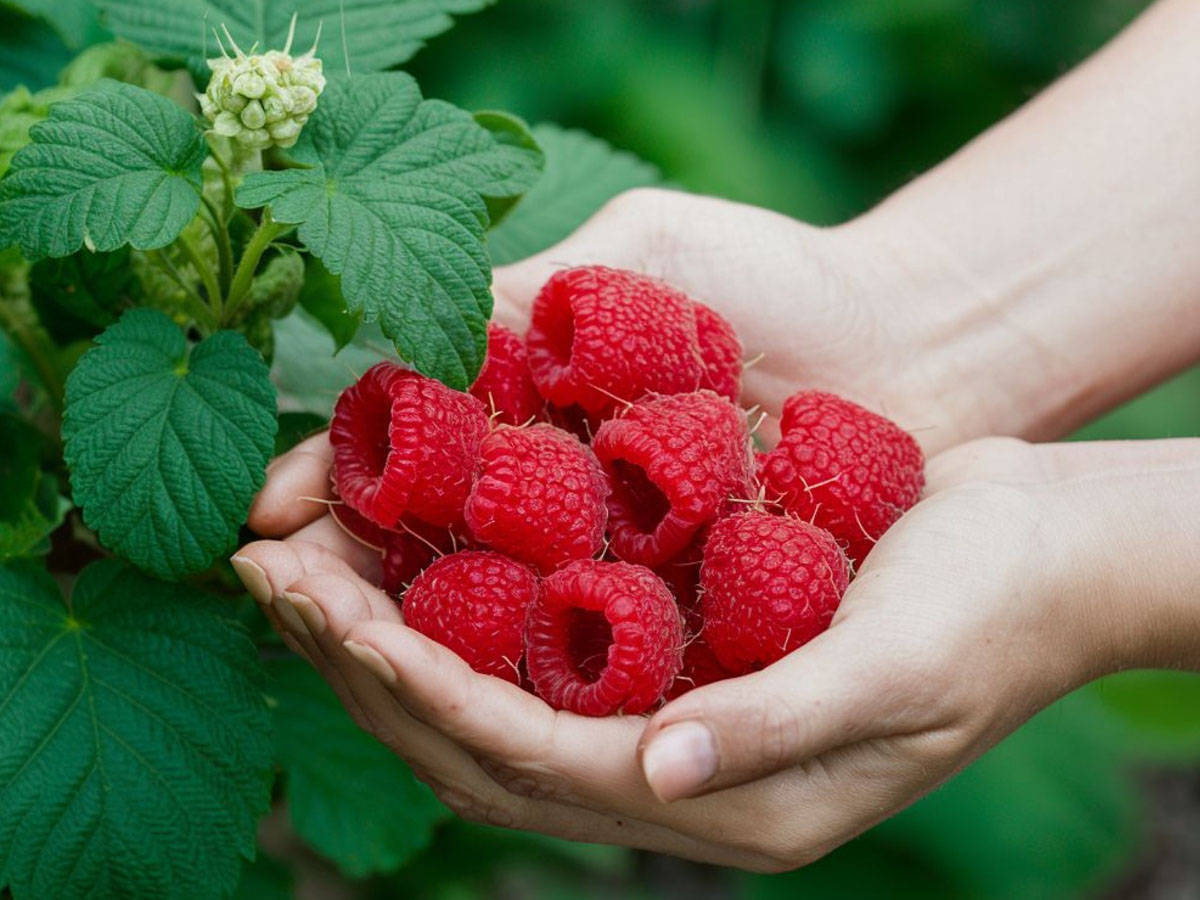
[159, 275]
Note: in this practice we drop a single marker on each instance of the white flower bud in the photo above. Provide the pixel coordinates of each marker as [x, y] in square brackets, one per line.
[264, 99]
[253, 116]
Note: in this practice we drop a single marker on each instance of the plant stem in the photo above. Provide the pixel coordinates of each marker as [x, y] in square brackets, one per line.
[40, 350]
[226, 179]
[267, 231]
[196, 307]
[220, 233]
[204, 270]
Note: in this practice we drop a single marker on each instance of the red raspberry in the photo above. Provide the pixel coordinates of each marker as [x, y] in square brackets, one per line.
[504, 384]
[358, 526]
[603, 336]
[721, 353]
[475, 602]
[673, 462]
[539, 497]
[768, 585]
[602, 638]
[843, 468]
[700, 666]
[409, 549]
[404, 443]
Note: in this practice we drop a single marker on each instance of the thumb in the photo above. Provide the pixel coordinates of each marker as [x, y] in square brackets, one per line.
[824, 695]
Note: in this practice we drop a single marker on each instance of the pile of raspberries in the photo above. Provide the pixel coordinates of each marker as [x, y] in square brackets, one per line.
[590, 520]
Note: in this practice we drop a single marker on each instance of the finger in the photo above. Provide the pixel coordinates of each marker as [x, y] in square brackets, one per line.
[460, 780]
[827, 694]
[281, 506]
[327, 533]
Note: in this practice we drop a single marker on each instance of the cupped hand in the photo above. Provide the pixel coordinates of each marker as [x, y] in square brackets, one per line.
[956, 630]
[832, 309]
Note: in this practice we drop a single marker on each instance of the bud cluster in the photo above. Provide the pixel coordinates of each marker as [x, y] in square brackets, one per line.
[262, 100]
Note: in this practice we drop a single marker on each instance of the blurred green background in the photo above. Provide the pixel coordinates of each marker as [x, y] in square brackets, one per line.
[819, 108]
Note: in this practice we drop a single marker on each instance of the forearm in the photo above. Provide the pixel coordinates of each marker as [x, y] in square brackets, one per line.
[1055, 258]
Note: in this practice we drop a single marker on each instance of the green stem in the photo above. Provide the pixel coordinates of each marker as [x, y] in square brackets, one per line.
[267, 231]
[204, 270]
[220, 233]
[193, 302]
[40, 350]
[226, 179]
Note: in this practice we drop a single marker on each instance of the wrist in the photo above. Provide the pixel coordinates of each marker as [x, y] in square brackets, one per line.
[1121, 543]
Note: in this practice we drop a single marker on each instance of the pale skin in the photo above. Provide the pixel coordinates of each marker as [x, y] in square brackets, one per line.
[1037, 278]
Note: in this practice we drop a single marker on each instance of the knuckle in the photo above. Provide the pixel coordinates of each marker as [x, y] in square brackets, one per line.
[528, 781]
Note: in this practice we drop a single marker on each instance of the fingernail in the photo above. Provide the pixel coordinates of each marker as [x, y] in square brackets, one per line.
[373, 660]
[253, 577]
[289, 615]
[308, 610]
[679, 760]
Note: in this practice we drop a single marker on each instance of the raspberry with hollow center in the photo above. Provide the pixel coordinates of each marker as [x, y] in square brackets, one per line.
[673, 463]
[505, 385]
[599, 337]
[475, 602]
[843, 468]
[539, 497]
[404, 443]
[603, 638]
[769, 584]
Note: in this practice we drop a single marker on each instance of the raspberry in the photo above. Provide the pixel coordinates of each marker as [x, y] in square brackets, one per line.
[409, 549]
[539, 497]
[474, 602]
[602, 336]
[358, 526]
[504, 384]
[768, 585]
[603, 637]
[404, 443]
[673, 462]
[700, 666]
[843, 468]
[721, 353]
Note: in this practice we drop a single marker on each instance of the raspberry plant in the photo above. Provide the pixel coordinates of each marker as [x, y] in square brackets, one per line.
[193, 222]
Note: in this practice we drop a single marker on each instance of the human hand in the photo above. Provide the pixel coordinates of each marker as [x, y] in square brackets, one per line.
[986, 602]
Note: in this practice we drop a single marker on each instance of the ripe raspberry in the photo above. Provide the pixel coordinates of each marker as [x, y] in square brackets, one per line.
[601, 336]
[409, 549]
[768, 585]
[358, 526]
[673, 462]
[602, 638]
[843, 468]
[475, 603]
[404, 443]
[721, 353]
[700, 666]
[504, 385]
[539, 497]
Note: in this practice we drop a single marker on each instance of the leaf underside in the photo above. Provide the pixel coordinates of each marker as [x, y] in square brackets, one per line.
[582, 172]
[167, 445]
[378, 34]
[134, 739]
[392, 199]
[115, 165]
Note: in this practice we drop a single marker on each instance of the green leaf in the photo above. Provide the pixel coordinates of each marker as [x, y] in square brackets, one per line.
[527, 160]
[295, 427]
[322, 298]
[582, 172]
[135, 742]
[265, 879]
[19, 464]
[310, 372]
[26, 533]
[378, 34]
[115, 165]
[33, 52]
[391, 200]
[167, 445]
[78, 295]
[75, 21]
[350, 797]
